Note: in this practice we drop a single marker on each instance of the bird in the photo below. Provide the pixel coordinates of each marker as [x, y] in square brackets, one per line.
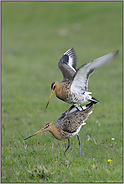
[73, 88]
[68, 124]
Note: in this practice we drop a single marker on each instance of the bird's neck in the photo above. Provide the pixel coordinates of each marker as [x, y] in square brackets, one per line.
[55, 132]
[61, 93]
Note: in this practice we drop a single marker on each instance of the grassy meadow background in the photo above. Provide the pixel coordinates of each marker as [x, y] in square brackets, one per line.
[34, 37]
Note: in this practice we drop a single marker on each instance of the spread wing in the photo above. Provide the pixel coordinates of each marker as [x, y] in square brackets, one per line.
[67, 64]
[80, 80]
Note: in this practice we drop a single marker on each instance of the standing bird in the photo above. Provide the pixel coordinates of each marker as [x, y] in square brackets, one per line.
[68, 124]
[73, 89]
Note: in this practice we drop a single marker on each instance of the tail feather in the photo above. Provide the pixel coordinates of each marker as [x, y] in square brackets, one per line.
[94, 100]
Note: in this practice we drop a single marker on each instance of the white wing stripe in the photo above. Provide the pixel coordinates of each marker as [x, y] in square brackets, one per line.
[70, 63]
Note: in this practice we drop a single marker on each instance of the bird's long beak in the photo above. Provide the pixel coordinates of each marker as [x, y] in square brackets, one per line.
[35, 133]
[50, 97]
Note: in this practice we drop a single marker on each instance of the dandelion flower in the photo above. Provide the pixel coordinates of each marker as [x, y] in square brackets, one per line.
[109, 160]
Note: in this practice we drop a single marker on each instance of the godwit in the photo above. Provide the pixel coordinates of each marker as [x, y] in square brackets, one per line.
[73, 89]
[68, 124]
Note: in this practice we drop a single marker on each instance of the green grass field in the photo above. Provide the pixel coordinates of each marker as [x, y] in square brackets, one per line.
[34, 37]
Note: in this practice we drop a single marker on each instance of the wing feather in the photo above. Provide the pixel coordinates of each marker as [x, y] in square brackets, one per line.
[72, 57]
[67, 64]
[80, 79]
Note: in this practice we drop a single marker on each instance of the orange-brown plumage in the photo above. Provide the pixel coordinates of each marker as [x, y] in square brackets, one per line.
[73, 89]
[61, 90]
[68, 124]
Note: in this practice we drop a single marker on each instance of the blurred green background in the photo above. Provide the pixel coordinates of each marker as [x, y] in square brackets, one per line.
[34, 37]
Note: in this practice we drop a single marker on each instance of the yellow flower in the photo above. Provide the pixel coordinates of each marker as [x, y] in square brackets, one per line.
[109, 160]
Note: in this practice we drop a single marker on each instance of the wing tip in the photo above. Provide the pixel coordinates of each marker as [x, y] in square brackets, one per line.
[116, 52]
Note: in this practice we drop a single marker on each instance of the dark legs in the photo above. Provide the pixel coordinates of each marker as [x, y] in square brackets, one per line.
[68, 146]
[79, 144]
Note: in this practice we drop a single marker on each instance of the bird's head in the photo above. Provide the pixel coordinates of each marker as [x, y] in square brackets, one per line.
[54, 86]
[47, 127]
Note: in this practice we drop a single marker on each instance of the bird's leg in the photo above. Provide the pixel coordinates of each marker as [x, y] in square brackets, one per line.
[79, 143]
[87, 105]
[67, 146]
[83, 107]
[79, 107]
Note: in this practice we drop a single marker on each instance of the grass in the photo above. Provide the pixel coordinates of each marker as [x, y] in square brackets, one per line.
[34, 37]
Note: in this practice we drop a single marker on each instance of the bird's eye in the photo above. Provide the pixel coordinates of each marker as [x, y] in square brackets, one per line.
[46, 126]
[54, 87]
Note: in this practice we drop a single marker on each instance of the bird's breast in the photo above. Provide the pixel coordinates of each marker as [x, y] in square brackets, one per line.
[62, 93]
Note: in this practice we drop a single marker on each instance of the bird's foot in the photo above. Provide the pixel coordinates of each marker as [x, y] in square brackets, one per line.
[79, 107]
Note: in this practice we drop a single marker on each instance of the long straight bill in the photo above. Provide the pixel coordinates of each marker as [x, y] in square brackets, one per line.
[35, 133]
[50, 98]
